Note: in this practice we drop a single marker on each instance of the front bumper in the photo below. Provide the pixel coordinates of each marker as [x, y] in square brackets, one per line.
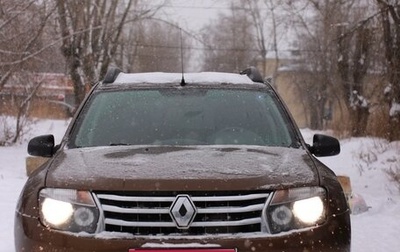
[334, 235]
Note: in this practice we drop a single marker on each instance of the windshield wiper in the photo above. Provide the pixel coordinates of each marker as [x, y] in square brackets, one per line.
[119, 144]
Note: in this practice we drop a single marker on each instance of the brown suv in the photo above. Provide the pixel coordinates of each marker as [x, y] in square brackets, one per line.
[205, 162]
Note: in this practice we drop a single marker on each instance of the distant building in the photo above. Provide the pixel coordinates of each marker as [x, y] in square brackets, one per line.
[288, 75]
[53, 99]
[284, 71]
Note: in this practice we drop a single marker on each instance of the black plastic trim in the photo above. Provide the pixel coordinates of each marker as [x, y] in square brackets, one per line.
[111, 75]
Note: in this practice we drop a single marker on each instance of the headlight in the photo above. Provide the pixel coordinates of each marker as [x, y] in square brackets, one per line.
[309, 211]
[296, 208]
[68, 210]
[56, 212]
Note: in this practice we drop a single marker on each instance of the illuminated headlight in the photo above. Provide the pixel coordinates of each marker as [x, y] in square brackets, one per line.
[56, 212]
[296, 208]
[309, 211]
[68, 210]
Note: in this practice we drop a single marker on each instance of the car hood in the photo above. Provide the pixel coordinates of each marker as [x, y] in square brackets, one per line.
[169, 168]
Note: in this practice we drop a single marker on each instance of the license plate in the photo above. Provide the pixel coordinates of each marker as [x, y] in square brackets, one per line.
[182, 250]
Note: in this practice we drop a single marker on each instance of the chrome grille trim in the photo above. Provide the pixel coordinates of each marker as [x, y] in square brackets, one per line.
[223, 213]
[170, 199]
[135, 198]
[115, 209]
[258, 207]
[134, 210]
[226, 223]
[230, 198]
[194, 224]
[139, 224]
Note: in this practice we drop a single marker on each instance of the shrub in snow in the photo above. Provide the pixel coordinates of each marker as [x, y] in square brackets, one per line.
[394, 174]
[5, 132]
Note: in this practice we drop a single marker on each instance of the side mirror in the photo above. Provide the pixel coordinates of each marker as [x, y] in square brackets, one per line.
[42, 146]
[324, 146]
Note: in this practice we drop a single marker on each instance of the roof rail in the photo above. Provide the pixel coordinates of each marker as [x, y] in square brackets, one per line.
[111, 75]
[253, 74]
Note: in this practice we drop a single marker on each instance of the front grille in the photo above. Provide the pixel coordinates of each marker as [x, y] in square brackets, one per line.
[149, 214]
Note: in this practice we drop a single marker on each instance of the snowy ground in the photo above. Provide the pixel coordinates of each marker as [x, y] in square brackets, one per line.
[363, 159]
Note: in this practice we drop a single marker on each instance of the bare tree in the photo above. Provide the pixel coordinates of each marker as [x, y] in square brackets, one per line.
[390, 23]
[22, 45]
[25, 85]
[336, 48]
[92, 32]
[315, 44]
[231, 47]
[155, 45]
[354, 54]
[29, 91]
[26, 42]
[266, 22]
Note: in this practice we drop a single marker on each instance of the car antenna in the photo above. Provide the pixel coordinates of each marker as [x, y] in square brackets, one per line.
[183, 83]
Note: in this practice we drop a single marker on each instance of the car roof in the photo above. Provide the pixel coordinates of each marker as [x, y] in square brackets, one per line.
[250, 77]
[190, 78]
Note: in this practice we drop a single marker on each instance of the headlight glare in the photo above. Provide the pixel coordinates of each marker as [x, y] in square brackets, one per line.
[68, 210]
[56, 212]
[308, 211]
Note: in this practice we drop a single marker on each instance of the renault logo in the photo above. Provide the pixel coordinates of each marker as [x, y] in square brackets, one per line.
[183, 211]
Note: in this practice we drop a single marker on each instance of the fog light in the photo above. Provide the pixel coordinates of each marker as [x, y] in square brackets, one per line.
[56, 212]
[308, 210]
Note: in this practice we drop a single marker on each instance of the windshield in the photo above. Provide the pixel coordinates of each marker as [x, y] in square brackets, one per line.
[182, 117]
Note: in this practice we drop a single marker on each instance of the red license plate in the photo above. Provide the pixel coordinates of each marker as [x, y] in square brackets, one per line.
[182, 250]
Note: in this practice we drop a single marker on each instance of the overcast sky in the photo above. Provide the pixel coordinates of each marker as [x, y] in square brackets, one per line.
[192, 15]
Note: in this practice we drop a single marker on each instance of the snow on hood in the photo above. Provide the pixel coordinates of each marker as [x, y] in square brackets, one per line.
[181, 168]
[204, 77]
